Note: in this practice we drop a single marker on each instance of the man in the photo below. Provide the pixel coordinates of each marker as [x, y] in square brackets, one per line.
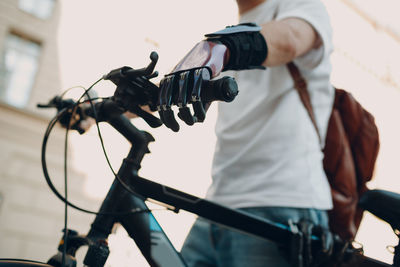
[268, 158]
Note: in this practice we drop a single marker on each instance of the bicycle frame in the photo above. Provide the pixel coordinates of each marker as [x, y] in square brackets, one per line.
[131, 211]
[144, 229]
[142, 226]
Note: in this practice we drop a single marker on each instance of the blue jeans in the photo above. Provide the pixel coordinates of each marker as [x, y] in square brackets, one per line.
[210, 245]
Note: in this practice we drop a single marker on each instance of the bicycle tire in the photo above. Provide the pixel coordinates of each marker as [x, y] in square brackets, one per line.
[22, 263]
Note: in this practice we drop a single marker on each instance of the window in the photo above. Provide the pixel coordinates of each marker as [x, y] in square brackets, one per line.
[40, 8]
[18, 68]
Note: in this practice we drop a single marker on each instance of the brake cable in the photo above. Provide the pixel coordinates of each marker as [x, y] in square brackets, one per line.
[50, 127]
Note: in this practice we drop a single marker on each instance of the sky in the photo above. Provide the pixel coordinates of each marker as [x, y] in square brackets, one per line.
[384, 11]
[96, 36]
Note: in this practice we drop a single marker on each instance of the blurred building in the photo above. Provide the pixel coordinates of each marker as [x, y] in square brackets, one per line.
[31, 217]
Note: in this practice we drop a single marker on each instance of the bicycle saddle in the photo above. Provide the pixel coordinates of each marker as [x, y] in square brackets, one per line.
[383, 204]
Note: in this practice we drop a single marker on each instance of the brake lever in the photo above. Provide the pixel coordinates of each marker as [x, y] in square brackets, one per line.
[147, 72]
[134, 89]
[65, 120]
[55, 102]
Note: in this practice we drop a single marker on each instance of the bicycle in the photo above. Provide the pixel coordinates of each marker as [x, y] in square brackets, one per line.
[125, 201]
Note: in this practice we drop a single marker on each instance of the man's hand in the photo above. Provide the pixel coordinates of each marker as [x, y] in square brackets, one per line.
[236, 47]
[184, 84]
[180, 89]
[192, 87]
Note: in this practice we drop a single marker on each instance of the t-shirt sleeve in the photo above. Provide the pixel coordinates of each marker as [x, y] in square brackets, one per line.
[315, 13]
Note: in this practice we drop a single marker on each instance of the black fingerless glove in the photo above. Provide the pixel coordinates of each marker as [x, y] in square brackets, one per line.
[247, 46]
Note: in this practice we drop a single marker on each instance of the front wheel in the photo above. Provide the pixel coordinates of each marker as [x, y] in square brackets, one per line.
[22, 263]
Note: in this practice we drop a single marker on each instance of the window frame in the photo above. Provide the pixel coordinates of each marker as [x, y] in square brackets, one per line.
[22, 45]
[35, 10]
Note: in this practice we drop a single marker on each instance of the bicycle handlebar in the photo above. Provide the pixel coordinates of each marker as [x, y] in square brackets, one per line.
[224, 89]
[134, 89]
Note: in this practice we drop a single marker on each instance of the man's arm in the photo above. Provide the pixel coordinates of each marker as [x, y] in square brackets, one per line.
[288, 39]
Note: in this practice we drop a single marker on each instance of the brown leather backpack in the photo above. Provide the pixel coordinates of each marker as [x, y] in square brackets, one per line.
[350, 151]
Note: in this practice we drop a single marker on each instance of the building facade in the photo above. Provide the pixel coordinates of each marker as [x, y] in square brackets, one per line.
[31, 217]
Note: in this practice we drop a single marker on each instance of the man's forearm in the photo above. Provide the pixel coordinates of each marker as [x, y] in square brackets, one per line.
[288, 39]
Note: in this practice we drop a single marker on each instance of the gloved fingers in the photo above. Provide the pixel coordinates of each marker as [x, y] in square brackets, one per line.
[185, 85]
[181, 89]
[199, 76]
[170, 121]
[186, 115]
[165, 101]
[199, 111]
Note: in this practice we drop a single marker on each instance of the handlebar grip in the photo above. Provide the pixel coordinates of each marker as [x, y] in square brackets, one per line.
[223, 89]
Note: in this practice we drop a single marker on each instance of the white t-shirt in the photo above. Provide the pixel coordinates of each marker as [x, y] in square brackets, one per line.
[268, 152]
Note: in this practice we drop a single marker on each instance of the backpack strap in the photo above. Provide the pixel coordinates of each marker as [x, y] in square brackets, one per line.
[300, 85]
